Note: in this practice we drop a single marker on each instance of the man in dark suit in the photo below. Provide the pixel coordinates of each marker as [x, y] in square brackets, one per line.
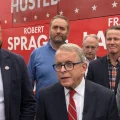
[17, 100]
[106, 70]
[75, 98]
[90, 48]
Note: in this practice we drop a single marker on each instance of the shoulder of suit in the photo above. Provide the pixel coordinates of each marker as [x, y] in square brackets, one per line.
[10, 54]
[104, 58]
[99, 88]
[52, 88]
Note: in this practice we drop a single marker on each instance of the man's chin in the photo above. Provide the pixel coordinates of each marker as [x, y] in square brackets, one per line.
[89, 57]
[59, 41]
[66, 85]
[112, 52]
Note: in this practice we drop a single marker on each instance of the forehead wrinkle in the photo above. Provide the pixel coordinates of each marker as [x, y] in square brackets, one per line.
[64, 56]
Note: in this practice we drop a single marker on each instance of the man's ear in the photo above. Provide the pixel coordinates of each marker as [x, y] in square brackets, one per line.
[84, 65]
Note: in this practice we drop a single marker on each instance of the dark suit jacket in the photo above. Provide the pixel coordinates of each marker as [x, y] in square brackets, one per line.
[99, 103]
[18, 95]
[98, 57]
[98, 72]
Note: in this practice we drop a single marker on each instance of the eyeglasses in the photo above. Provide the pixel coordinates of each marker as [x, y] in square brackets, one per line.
[68, 66]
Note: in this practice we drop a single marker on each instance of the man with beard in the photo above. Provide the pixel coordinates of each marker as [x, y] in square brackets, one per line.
[17, 101]
[106, 70]
[42, 59]
[90, 48]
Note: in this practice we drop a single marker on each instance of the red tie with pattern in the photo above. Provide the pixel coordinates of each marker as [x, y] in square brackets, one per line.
[72, 114]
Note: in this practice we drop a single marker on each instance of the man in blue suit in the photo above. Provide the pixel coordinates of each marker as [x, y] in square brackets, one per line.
[90, 100]
[17, 100]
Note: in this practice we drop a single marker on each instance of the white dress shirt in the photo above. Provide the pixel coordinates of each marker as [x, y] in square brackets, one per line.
[87, 61]
[78, 98]
[2, 109]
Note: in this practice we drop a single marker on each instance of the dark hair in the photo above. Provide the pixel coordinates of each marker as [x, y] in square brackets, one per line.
[61, 17]
[116, 27]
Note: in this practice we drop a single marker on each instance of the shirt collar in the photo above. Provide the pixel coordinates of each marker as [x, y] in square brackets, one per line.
[108, 58]
[49, 43]
[88, 60]
[79, 89]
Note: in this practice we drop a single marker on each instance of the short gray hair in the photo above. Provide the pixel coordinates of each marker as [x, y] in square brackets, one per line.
[70, 47]
[93, 36]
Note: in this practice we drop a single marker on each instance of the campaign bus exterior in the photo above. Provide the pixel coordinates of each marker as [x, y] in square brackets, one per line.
[25, 23]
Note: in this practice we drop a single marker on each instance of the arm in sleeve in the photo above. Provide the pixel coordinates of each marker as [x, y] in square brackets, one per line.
[31, 68]
[113, 111]
[28, 102]
[40, 114]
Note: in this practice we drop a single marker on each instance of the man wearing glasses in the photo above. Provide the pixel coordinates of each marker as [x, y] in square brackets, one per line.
[106, 70]
[73, 97]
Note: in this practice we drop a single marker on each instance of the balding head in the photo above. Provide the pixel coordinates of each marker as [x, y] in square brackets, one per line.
[90, 46]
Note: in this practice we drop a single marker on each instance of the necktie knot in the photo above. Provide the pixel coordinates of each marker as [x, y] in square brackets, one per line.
[72, 92]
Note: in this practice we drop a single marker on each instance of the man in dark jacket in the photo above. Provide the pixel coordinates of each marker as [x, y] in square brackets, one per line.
[106, 70]
[75, 98]
[17, 100]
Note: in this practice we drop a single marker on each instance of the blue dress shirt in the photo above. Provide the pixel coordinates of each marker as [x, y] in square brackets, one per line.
[40, 67]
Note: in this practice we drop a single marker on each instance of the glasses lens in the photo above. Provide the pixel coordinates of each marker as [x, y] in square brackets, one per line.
[69, 66]
[58, 67]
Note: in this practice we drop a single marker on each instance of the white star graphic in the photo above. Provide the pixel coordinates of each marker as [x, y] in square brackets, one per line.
[47, 15]
[61, 12]
[114, 4]
[25, 18]
[14, 20]
[94, 7]
[5, 21]
[35, 17]
[76, 10]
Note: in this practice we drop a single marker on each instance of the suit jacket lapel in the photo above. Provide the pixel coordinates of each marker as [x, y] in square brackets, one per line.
[6, 78]
[60, 103]
[90, 101]
[105, 70]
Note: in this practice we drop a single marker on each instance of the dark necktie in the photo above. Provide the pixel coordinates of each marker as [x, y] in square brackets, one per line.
[72, 114]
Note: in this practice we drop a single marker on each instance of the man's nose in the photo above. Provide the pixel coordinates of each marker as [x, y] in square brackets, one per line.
[90, 49]
[63, 68]
[112, 41]
[58, 30]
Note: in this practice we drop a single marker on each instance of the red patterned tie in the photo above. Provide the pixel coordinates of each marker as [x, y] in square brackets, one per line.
[72, 114]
